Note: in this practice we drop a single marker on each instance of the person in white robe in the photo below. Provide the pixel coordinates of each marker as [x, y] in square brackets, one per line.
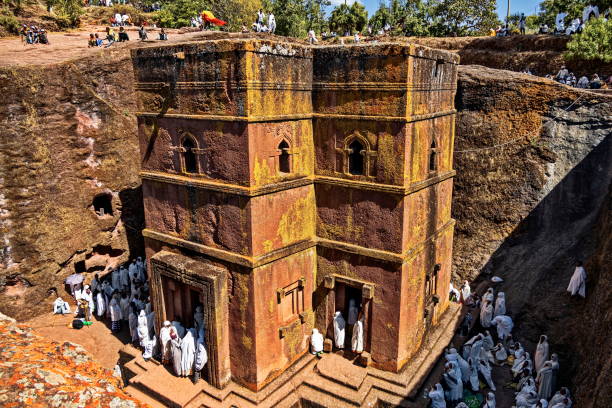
[488, 295]
[143, 329]
[436, 395]
[95, 283]
[500, 353]
[179, 327]
[133, 273]
[487, 341]
[149, 348]
[176, 344]
[198, 318]
[100, 304]
[485, 371]
[544, 381]
[525, 380]
[60, 306]
[526, 399]
[518, 350]
[116, 279]
[475, 352]
[454, 293]
[577, 284]
[339, 330]
[500, 304]
[165, 338]
[465, 353]
[316, 342]
[124, 278]
[115, 314]
[188, 353]
[541, 354]
[490, 401]
[454, 383]
[486, 314]
[561, 404]
[465, 291]
[124, 304]
[542, 404]
[561, 395]
[474, 382]
[504, 326]
[133, 324]
[465, 369]
[200, 360]
[353, 312]
[88, 297]
[554, 364]
[151, 323]
[522, 362]
[141, 267]
[357, 340]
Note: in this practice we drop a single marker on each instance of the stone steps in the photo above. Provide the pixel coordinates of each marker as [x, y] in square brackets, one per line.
[332, 381]
[143, 397]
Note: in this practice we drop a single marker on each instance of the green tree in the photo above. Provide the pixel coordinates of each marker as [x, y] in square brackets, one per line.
[290, 17]
[178, 13]
[594, 43]
[69, 10]
[315, 14]
[463, 17]
[381, 17]
[348, 19]
[417, 19]
[236, 12]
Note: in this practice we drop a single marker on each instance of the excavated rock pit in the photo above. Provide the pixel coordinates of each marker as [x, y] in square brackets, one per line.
[531, 193]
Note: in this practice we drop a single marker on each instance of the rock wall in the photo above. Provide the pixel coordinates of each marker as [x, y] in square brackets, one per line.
[534, 170]
[68, 146]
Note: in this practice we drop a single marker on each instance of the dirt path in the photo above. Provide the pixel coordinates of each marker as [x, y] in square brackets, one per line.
[96, 339]
[67, 46]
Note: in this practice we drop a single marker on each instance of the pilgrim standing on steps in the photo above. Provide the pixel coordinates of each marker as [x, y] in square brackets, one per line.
[357, 340]
[500, 304]
[486, 314]
[485, 370]
[115, 312]
[554, 365]
[176, 353]
[544, 381]
[339, 330]
[188, 353]
[541, 354]
[165, 337]
[201, 358]
[437, 397]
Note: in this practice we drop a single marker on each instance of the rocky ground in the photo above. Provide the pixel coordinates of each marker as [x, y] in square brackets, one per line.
[36, 372]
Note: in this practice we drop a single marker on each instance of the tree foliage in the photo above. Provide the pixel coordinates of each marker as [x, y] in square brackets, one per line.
[178, 13]
[290, 17]
[315, 14]
[463, 17]
[348, 19]
[594, 43]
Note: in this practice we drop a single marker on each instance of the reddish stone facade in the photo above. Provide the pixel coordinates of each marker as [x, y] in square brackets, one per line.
[281, 180]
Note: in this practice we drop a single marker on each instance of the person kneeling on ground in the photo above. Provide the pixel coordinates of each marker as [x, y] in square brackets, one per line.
[123, 35]
[60, 306]
[110, 36]
[92, 41]
[163, 35]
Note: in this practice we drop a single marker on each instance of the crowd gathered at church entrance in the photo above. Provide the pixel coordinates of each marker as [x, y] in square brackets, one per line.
[123, 297]
[468, 371]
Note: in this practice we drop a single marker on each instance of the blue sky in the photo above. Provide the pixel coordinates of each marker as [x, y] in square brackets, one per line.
[516, 6]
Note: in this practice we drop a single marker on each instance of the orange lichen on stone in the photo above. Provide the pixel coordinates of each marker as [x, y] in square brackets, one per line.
[36, 372]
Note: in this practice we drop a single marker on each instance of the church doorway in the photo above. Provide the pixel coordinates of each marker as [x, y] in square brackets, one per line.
[348, 299]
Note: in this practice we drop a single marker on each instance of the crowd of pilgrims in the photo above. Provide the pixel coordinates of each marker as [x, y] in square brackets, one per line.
[124, 299]
[534, 379]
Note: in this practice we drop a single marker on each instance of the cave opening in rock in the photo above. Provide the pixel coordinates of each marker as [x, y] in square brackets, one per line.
[103, 204]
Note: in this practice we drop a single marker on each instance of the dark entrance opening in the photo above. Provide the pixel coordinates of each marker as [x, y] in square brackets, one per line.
[355, 158]
[347, 296]
[103, 204]
[189, 156]
[284, 165]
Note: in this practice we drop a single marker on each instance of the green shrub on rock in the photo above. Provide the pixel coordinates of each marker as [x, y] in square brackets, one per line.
[594, 43]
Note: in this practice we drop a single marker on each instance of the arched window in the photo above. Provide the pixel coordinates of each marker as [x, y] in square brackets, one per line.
[284, 160]
[355, 158]
[433, 165]
[189, 156]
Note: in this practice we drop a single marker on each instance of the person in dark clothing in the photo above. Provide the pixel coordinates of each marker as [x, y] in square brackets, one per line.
[123, 35]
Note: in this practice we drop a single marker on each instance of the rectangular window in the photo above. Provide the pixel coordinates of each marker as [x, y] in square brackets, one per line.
[292, 303]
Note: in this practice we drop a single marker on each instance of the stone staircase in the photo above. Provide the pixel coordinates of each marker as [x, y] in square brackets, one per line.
[332, 381]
